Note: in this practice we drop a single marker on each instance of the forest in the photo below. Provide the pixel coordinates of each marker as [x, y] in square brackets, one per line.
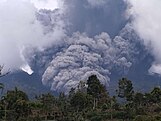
[90, 101]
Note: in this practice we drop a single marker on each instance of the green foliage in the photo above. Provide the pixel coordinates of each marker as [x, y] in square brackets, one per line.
[47, 100]
[79, 101]
[156, 95]
[138, 98]
[88, 102]
[95, 88]
[125, 89]
[144, 118]
[97, 91]
[17, 102]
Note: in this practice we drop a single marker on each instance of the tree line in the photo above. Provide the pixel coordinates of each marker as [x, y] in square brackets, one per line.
[90, 101]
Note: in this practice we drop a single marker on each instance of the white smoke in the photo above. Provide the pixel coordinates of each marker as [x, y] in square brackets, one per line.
[146, 19]
[27, 69]
[155, 69]
[20, 31]
[46, 4]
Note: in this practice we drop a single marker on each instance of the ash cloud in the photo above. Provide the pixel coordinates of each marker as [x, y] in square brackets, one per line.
[95, 16]
[83, 56]
[96, 43]
[96, 3]
[21, 32]
[81, 38]
[146, 17]
[99, 41]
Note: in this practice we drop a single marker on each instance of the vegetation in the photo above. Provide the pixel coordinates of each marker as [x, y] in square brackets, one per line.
[90, 101]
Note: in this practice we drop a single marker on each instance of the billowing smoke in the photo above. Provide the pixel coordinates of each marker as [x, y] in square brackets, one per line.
[21, 33]
[92, 46]
[146, 19]
[84, 37]
[98, 42]
[83, 56]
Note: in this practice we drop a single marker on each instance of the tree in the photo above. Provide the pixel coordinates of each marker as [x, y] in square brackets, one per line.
[71, 93]
[125, 89]
[82, 86]
[137, 104]
[79, 101]
[156, 95]
[138, 99]
[16, 102]
[63, 104]
[48, 101]
[96, 89]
